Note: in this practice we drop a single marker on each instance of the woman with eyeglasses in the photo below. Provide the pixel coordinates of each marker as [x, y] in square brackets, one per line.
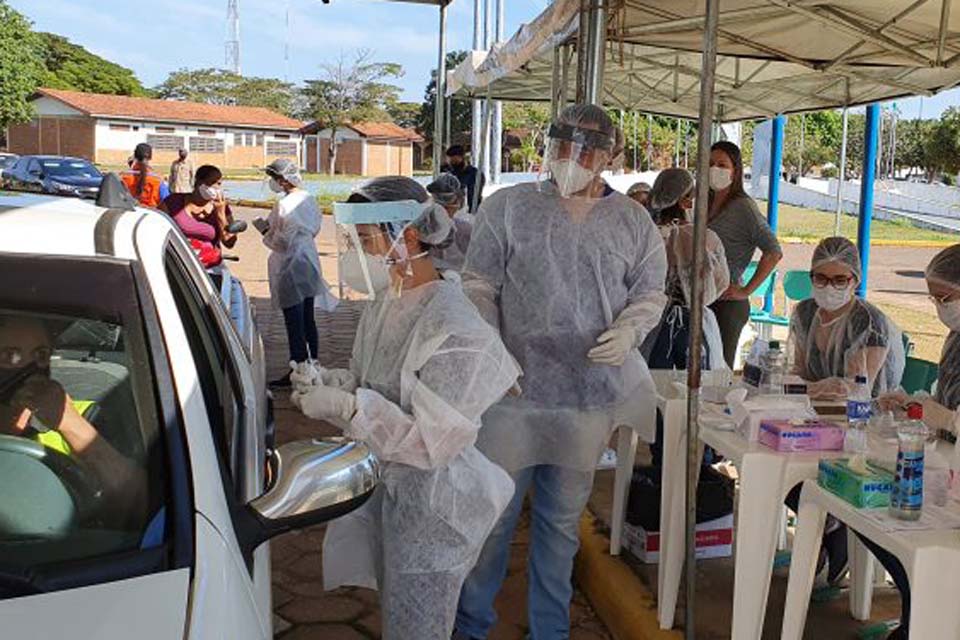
[838, 336]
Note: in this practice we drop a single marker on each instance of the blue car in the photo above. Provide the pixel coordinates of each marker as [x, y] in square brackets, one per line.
[55, 175]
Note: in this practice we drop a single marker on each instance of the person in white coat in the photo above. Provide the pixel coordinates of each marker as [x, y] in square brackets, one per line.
[425, 367]
[293, 267]
[572, 275]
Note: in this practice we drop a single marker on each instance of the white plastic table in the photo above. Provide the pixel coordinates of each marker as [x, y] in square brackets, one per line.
[931, 559]
[766, 477]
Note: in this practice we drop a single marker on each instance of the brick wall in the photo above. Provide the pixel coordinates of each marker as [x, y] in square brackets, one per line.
[349, 157]
[61, 135]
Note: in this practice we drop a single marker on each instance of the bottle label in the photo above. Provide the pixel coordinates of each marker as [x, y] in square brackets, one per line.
[909, 480]
[858, 410]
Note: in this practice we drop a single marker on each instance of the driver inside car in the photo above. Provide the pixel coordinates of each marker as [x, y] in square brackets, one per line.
[35, 406]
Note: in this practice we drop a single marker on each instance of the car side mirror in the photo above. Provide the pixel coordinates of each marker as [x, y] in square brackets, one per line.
[314, 481]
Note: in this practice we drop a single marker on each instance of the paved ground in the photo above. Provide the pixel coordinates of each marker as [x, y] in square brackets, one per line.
[303, 611]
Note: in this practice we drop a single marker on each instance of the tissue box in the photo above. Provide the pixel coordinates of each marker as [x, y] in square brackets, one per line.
[750, 413]
[714, 540]
[870, 491]
[801, 435]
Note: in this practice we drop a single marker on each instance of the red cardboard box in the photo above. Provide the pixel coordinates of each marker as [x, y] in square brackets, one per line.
[714, 540]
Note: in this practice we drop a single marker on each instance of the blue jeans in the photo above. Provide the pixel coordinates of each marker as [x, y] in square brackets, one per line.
[559, 497]
[301, 330]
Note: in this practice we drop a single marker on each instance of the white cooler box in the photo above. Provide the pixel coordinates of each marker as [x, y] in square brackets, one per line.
[714, 540]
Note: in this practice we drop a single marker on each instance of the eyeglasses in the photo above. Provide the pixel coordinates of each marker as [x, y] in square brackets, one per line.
[15, 356]
[837, 282]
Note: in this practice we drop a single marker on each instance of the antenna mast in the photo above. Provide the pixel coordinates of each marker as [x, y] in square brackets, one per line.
[232, 46]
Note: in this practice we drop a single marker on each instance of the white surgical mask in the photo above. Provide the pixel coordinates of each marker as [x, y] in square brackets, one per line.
[351, 272]
[571, 177]
[720, 178]
[949, 314]
[831, 299]
[275, 186]
[208, 192]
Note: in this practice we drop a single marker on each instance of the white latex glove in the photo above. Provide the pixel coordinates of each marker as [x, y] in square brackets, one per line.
[613, 346]
[304, 376]
[326, 403]
[341, 379]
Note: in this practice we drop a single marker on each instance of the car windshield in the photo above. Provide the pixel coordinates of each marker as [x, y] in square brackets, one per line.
[80, 451]
[63, 168]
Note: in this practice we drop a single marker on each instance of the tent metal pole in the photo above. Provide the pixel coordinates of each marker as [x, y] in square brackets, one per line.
[496, 144]
[707, 78]
[676, 147]
[773, 187]
[439, 112]
[476, 123]
[841, 175]
[803, 134]
[595, 52]
[555, 90]
[649, 141]
[871, 135]
[636, 126]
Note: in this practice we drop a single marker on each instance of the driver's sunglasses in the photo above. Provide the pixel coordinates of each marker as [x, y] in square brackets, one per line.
[15, 357]
[837, 282]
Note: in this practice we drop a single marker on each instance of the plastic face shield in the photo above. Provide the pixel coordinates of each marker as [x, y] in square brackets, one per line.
[367, 232]
[573, 152]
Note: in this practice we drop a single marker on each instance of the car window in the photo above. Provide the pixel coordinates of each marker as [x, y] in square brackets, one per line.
[34, 167]
[222, 394]
[72, 168]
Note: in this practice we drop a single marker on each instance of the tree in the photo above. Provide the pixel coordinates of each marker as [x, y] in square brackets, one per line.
[528, 121]
[21, 66]
[943, 148]
[405, 114]
[912, 139]
[218, 86]
[350, 90]
[461, 111]
[70, 66]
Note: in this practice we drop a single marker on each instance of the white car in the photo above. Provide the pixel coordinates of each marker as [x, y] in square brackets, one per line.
[154, 524]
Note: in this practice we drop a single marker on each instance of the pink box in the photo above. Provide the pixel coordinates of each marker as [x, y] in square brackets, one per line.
[801, 435]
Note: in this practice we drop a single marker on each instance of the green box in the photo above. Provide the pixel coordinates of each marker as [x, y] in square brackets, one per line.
[870, 491]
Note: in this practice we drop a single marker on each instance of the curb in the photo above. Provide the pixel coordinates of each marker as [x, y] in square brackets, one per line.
[623, 603]
[915, 244]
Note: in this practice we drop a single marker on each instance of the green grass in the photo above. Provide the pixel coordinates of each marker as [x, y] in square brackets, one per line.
[811, 225]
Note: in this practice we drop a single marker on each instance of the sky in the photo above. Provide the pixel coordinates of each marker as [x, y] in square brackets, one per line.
[172, 34]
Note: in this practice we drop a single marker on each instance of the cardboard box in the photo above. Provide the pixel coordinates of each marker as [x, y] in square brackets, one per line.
[870, 491]
[801, 435]
[714, 540]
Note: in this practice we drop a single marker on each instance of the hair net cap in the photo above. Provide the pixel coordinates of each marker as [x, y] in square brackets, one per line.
[286, 169]
[391, 188]
[839, 250]
[446, 189]
[669, 187]
[944, 268]
[434, 226]
[638, 187]
[578, 115]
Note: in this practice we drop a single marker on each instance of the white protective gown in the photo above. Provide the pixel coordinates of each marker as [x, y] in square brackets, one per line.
[428, 367]
[293, 268]
[553, 274]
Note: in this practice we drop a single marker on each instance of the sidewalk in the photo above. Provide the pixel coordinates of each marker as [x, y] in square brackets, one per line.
[302, 610]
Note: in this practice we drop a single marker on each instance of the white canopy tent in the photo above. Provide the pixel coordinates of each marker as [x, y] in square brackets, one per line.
[773, 57]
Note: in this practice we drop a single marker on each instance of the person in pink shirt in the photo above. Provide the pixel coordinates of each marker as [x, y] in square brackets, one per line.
[203, 214]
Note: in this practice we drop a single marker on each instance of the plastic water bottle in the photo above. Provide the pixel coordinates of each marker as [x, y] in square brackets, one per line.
[906, 498]
[859, 404]
[772, 364]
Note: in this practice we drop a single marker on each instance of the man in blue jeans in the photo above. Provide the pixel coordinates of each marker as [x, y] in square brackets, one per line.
[572, 274]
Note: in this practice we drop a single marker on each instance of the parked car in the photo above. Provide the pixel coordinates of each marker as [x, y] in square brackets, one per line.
[174, 543]
[55, 175]
[7, 160]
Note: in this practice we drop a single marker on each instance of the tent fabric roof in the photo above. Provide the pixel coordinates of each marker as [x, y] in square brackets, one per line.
[775, 56]
[127, 107]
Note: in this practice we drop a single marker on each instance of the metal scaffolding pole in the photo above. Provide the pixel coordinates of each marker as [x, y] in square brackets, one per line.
[773, 187]
[676, 147]
[556, 70]
[496, 144]
[707, 77]
[871, 135]
[487, 104]
[439, 109]
[636, 127]
[841, 175]
[594, 52]
[649, 141]
[477, 121]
